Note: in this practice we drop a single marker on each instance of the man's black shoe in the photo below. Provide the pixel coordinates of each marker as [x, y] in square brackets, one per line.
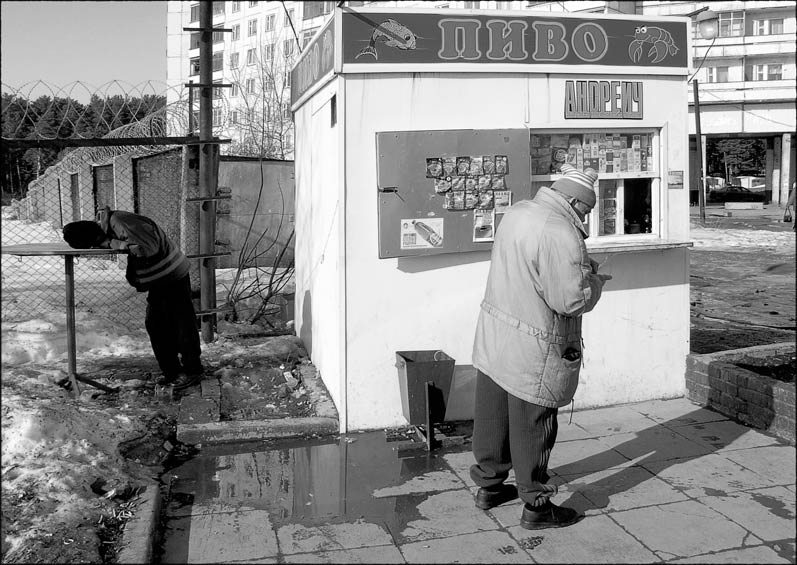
[548, 515]
[184, 380]
[490, 498]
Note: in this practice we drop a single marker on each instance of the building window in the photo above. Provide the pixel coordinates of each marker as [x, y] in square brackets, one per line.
[218, 36]
[770, 71]
[288, 18]
[252, 3]
[236, 32]
[307, 37]
[250, 56]
[442, 6]
[717, 74]
[286, 110]
[315, 9]
[218, 60]
[194, 40]
[234, 60]
[768, 27]
[251, 28]
[268, 83]
[731, 24]
[502, 5]
[193, 66]
[287, 47]
[286, 79]
[216, 117]
[217, 91]
[234, 116]
[268, 51]
[234, 90]
[472, 5]
[194, 13]
[250, 86]
[270, 18]
[236, 7]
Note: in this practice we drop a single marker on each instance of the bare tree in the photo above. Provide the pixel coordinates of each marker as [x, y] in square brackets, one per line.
[261, 126]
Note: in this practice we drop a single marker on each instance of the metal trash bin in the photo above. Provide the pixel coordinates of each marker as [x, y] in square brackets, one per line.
[415, 369]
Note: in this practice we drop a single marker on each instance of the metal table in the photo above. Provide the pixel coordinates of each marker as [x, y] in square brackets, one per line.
[69, 254]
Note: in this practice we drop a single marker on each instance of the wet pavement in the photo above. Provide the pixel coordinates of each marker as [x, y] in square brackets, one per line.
[660, 481]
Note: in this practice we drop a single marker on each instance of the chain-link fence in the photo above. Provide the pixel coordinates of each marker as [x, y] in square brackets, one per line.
[153, 180]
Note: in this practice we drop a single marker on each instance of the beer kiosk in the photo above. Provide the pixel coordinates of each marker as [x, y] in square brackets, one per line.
[417, 128]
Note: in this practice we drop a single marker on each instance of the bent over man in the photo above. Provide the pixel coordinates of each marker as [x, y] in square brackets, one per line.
[157, 266]
[527, 348]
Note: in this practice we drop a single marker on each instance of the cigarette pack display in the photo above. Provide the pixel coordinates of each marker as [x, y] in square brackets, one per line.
[623, 142]
[476, 166]
[558, 158]
[449, 166]
[471, 199]
[463, 165]
[488, 164]
[484, 182]
[501, 164]
[454, 200]
[559, 140]
[434, 167]
[635, 144]
[498, 183]
[471, 183]
[442, 185]
[485, 199]
[502, 199]
[579, 158]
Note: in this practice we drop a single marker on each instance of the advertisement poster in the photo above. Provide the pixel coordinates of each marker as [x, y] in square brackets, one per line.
[502, 200]
[421, 233]
[483, 225]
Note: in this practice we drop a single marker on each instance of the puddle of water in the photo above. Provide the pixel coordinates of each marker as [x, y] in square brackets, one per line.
[306, 481]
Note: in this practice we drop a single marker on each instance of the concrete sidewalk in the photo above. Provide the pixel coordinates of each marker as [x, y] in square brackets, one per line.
[660, 481]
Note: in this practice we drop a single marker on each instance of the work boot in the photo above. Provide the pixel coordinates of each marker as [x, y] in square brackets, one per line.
[185, 380]
[487, 498]
[549, 515]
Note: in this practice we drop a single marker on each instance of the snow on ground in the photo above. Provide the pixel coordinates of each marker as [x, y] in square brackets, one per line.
[717, 238]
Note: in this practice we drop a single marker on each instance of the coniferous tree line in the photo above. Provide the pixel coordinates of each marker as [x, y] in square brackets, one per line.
[49, 118]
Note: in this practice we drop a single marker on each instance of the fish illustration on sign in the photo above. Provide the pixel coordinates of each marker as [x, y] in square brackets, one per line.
[392, 34]
[661, 40]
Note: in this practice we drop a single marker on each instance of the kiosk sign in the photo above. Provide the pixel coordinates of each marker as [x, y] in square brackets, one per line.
[316, 61]
[603, 99]
[372, 38]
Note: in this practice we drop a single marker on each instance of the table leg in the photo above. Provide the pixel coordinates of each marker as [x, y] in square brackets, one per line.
[69, 275]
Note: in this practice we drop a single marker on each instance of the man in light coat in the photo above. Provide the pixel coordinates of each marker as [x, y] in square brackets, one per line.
[528, 344]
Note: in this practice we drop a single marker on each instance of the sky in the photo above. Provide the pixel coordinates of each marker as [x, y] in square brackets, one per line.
[92, 42]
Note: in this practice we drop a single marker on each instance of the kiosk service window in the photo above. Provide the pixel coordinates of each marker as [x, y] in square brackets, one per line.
[628, 175]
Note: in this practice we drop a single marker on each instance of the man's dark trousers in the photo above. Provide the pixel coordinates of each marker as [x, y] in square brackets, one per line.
[172, 329]
[509, 432]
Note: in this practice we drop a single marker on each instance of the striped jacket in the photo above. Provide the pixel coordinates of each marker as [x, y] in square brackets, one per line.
[153, 258]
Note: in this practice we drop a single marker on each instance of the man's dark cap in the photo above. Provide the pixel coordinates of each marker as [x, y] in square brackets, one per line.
[83, 234]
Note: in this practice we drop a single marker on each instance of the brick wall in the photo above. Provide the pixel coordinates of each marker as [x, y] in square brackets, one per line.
[762, 402]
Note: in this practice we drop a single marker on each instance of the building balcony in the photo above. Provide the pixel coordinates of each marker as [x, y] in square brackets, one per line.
[774, 91]
[746, 46]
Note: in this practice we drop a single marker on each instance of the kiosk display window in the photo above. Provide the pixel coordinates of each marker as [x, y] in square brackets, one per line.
[628, 175]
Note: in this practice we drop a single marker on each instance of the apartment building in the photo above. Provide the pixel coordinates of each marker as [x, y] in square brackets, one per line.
[746, 75]
[255, 58]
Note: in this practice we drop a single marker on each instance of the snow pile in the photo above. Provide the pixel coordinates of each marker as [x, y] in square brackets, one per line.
[716, 238]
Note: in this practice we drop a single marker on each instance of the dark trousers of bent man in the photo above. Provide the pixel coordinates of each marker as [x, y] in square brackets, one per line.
[172, 329]
[509, 432]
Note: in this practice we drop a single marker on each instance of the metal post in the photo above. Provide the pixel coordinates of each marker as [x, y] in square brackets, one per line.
[701, 195]
[69, 279]
[191, 126]
[207, 171]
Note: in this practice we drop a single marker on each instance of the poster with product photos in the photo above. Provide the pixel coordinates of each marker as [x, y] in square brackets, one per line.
[483, 226]
[468, 182]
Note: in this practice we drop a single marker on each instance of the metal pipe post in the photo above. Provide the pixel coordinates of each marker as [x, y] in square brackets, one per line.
[701, 194]
[69, 279]
[207, 172]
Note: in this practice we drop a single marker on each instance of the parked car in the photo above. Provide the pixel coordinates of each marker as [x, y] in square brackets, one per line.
[733, 193]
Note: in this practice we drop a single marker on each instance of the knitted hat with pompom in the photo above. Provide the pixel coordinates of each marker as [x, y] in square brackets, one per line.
[577, 184]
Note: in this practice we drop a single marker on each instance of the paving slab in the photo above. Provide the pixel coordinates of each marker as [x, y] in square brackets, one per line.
[612, 420]
[758, 554]
[446, 514]
[682, 529]
[678, 412]
[726, 436]
[775, 463]
[298, 538]
[585, 455]
[768, 513]
[379, 554]
[658, 443]
[708, 475]
[623, 488]
[434, 481]
[479, 547]
[596, 539]
[220, 538]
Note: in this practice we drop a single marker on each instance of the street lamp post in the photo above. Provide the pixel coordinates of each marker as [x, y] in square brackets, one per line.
[708, 26]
